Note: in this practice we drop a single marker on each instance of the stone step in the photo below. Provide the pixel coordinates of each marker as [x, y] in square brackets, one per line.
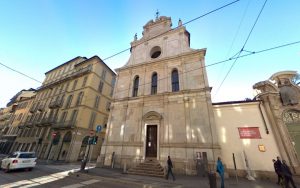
[148, 168]
[147, 174]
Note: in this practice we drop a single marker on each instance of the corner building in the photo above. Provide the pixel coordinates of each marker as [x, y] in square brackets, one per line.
[162, 103]
[74, 99]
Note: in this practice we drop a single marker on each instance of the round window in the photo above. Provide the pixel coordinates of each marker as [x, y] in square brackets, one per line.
[155, 52]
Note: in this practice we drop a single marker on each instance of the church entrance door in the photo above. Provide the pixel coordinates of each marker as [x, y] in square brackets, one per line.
[151, 141]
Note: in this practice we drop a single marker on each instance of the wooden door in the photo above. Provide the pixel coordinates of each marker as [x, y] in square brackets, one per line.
[151, 141]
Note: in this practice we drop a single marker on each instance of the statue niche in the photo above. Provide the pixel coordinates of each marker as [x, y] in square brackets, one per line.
[288, 94]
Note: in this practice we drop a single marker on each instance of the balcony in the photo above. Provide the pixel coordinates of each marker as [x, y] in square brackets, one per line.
[41, 107]
[21, 125]
[47, 121]
[56, 104]
[64, 125]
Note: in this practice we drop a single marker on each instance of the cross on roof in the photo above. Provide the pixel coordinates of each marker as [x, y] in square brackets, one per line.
[157, 14]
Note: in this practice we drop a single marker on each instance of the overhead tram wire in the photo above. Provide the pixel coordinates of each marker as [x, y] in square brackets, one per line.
[242, 49]
[118, 53]
[234, 38]
[23, 74]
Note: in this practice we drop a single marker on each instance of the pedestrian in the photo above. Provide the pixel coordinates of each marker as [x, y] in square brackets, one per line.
[170, 166]
[220, 170]
[288, 176]
[278, 170]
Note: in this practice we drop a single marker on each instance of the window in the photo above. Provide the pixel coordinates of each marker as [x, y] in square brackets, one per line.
[74, 115]
[155, 52]
[20, 116]
[108, 106]
[175, 80]
[55, 115]
[92, 120]
[61, 88]
[74, 85]
[103, 74]
[84, 81]
[100, 88]
[79, 98]
[69, 101]
[111, 92]
[154, 84]
[113, 81]
[97, 100]
[67, 86]
[135, 87]
[63, 117]
[62, 99]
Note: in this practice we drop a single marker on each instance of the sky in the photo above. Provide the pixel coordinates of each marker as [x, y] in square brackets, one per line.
[36, 36]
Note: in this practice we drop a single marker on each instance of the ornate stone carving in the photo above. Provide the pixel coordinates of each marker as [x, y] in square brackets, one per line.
[152, 115]
[291, 117]
[288, 94]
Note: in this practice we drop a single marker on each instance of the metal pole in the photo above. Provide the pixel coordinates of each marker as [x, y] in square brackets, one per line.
[236, 177]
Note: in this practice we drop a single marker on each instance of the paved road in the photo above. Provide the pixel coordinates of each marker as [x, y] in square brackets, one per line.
[54, 176]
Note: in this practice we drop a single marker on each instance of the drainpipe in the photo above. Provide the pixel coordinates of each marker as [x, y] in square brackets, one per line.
[262, 116]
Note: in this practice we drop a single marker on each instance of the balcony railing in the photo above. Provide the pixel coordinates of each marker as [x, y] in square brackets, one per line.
[64, 125]
[48, 121]
[41, 107]
[56, 104]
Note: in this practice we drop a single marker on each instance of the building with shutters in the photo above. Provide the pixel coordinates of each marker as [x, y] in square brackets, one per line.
[73, 100]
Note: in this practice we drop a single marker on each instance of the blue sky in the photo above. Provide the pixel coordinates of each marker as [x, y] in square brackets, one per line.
[36, 36]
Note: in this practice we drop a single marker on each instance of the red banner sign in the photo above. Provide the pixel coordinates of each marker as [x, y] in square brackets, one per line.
[249, 132]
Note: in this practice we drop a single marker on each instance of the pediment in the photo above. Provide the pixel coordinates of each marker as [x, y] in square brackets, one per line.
[152, 115]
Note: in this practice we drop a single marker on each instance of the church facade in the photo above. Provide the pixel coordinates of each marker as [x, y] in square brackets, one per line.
[162, 103]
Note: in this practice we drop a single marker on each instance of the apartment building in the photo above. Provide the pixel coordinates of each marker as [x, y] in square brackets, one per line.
[12, 123]
[73, 100]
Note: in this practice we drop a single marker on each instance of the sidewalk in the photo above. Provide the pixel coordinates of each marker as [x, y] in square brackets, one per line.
[181, 180]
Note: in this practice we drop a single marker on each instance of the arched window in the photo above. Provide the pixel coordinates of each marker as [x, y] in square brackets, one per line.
[175, 80]
[154, 84]
[135, 86]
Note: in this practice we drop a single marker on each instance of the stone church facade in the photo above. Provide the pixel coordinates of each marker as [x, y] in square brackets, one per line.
[281, 99]
[162, 103]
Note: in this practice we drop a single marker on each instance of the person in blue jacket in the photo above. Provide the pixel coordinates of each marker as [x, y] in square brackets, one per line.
[220, 170]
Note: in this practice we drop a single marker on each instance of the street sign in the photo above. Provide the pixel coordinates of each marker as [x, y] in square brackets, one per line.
[98, 128]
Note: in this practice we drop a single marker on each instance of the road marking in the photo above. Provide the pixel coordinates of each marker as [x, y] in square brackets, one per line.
[81, 184]
[89, 182]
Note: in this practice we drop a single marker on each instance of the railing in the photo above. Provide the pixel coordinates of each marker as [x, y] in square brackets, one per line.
[64, 125]
[41, 107]
[48, 121]
[74, 73]
[56, 104]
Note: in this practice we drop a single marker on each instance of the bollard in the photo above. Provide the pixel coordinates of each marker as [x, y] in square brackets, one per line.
[83, 163]
[212, 179]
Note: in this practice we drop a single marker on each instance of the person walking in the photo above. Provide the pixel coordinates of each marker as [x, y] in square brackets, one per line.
[277, 171]
[288, 176]
[220, 170]
[278, 165]
[170, 166]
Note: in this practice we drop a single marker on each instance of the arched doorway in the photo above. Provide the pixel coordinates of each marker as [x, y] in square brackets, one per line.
[83, 148]
[291, 119]
[65, 146]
